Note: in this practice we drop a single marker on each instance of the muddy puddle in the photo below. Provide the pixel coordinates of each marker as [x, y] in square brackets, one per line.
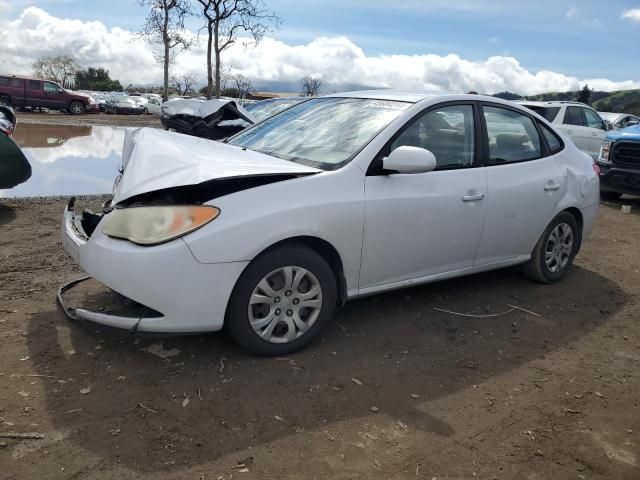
[68, 160]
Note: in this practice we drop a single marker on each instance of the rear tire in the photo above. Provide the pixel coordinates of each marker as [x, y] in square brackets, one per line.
[554, 253]
[282, 301]
[76, 108]
[608, 195]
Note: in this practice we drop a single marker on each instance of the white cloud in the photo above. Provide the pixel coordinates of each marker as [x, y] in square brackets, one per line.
[572, 13]
[337, 61]
[633, 15]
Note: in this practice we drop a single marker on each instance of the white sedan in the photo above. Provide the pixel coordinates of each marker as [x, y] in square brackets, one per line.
[335, 198]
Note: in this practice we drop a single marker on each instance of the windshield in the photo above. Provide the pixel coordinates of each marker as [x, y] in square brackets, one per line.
[267, 108]
[324, 132]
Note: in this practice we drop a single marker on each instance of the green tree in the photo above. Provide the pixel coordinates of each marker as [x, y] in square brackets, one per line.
[96, 79]
[584, 96]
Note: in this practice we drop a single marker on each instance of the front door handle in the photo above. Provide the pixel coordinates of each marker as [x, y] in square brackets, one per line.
[473, 198]
[569, 131]
[594, 134]
[552, 187]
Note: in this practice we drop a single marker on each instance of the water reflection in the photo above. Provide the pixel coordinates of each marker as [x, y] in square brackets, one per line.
[68, 160]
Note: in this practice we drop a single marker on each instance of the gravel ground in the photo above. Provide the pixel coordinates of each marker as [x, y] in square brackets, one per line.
[394, 390]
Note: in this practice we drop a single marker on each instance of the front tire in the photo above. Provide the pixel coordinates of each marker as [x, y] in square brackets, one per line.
[76, 108]
[282, 301]
[554, 253]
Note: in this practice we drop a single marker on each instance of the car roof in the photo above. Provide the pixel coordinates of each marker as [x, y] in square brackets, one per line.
[551, 103]
[414, 96]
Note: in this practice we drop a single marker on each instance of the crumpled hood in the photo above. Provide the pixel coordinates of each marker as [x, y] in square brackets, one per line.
[630, 133]
[154, 160]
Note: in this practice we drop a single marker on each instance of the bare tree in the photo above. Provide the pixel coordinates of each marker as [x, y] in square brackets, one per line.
[164, 26]
[224, 19]
[183, 83]
[61, 69]
[243, 85]
[311, 86]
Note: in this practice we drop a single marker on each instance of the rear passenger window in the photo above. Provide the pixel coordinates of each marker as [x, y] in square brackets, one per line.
[4, 81]
[448, 132]
[512, 136]
[16, 82]
[34, 85]
[554, 143]
[573, 116]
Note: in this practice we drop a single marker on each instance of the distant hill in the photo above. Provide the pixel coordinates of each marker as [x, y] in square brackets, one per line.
[627, 101]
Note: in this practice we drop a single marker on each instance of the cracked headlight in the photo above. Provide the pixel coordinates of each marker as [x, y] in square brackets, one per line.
[156, 225]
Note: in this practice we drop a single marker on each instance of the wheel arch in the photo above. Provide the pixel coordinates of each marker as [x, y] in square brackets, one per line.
[577, 214]
[322, 248]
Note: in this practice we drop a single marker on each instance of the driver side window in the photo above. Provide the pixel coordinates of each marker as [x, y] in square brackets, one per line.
[448, 132]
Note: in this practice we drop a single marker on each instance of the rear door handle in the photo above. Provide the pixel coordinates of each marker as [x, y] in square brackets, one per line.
[473, 198]
[552, 187]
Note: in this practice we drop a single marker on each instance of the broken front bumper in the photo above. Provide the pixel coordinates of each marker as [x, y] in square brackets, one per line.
[190, 296]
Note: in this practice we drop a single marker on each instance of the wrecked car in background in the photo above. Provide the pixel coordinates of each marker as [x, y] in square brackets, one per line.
[337, 197]
[218, 118]
[14, 166]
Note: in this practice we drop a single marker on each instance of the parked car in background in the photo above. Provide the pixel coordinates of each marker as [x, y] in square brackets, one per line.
[581, 123]
[620, 120]
[14, 166]
[20, 92]
[219, 117]
[122, 105]
[150, 105]
[337, 197]
[154, 104]
[619, 163]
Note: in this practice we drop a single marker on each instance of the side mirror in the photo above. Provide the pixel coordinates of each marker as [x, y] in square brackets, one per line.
[407, 159]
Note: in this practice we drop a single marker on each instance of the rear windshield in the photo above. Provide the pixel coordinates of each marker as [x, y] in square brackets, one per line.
[548, 113]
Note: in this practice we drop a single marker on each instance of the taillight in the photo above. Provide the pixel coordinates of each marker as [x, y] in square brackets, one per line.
[596, 168]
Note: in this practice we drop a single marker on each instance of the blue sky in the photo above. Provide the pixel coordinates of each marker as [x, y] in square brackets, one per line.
[447, 45]
[586, 39]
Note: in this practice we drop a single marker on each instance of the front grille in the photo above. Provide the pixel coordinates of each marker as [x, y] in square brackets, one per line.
[627, 154]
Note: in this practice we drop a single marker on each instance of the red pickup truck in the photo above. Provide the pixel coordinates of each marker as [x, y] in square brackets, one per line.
[34, 92]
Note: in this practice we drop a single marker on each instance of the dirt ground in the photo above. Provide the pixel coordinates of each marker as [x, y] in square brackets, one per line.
[60, 118]
[394, 390]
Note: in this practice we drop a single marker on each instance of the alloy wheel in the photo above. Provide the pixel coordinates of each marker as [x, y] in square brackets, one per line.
[559, 248]
[285, 304]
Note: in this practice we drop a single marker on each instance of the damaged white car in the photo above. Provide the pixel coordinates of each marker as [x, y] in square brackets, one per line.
[335, 198]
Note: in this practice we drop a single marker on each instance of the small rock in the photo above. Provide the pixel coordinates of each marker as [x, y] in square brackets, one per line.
[158, 350]
[23, 394]
[628, 430]
[185, 402]
[375, 409]
[539, 453]
[598, 394]
[85, 391]
[278, 418]
[356, 381]
[3, 444]
[415, 396]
